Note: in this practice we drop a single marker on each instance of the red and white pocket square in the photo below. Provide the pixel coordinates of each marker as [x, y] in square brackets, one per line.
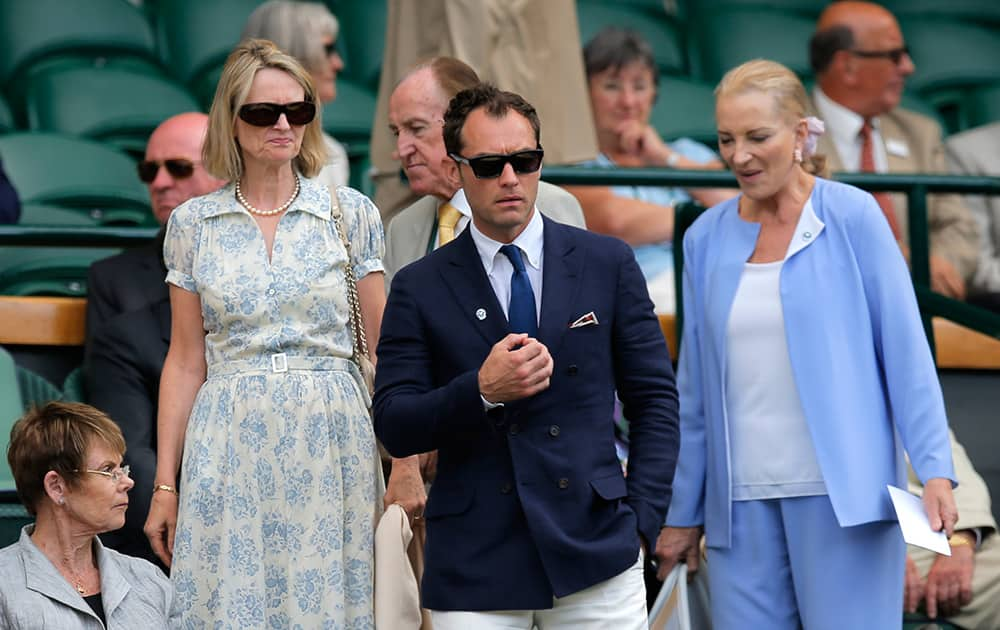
[590, 319]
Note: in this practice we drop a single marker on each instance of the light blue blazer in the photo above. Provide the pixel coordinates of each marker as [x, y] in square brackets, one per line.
[860, 360]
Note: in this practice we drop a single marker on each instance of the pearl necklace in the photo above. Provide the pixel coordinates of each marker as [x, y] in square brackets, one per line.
[266, 213]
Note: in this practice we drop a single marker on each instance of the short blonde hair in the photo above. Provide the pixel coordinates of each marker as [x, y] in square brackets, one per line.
[56, 437]
[770, 77]
[298, 28]
[221, 155]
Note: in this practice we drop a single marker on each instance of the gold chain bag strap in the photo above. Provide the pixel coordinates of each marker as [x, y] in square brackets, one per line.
[360, 357]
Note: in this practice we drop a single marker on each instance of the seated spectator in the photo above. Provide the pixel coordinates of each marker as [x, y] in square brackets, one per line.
[861, 64]
[173, 173]
[977, 152]
[67, 464]
[963, 588]
[128, 317]
[622, 80]
[10, 205]
[308, 32]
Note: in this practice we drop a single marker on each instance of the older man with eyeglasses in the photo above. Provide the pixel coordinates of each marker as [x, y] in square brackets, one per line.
[861, 63]
[128, 316]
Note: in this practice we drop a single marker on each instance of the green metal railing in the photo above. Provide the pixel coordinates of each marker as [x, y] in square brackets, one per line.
[916, 188]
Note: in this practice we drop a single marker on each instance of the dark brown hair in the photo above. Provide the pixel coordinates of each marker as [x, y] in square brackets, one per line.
[56, 437]
[497, 104]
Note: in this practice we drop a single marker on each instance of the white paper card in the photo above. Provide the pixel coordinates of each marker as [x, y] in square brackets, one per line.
[914, 524]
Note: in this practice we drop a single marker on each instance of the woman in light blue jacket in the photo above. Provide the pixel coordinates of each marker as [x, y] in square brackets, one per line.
[804, 373]
[66, 460]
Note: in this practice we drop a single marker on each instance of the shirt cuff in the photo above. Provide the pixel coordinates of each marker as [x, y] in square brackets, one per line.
[487, 405]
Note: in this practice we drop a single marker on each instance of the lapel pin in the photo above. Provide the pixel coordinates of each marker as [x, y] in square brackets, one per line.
[481, 314]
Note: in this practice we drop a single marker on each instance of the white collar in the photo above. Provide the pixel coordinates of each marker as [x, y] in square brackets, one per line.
[806, 230]
[843, 124]
[461, 203]
[529, 241]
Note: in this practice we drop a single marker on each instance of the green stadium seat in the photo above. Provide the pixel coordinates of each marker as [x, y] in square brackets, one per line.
[194, 38]
[54, 271]
[723, 39]
[61, 170]
[808, 7]
[11, 408]
[96, 32]
[13, 517]
[362, 39]
[44, 214]
[973, 10]
[349, 117]
[118, 107]
[6, 118]
[662, 33]
[684, 108]
[951, 58]
[983, 105]
[74, 387]
[35, 389]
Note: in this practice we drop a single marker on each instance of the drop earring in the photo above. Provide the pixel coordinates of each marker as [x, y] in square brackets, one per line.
[797, 155]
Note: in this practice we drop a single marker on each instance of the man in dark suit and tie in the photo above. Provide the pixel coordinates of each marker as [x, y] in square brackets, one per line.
[128, 319]
[504, 350]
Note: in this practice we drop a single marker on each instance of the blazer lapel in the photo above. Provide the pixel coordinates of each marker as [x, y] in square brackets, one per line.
[736, 242]
[561, 274]
[464, 275]
[423, 227]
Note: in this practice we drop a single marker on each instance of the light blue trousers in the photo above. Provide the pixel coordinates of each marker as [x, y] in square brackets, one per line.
[791, 565]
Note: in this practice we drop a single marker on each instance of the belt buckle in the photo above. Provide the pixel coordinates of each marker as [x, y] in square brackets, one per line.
[279, 363]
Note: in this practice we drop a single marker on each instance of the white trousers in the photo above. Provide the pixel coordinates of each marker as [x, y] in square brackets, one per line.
[619, 603]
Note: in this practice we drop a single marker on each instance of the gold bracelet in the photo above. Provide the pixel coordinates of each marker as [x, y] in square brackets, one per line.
[165, 488]
[960, 540]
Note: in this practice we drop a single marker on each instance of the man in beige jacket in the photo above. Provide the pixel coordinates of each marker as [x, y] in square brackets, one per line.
[965, 587]
[861, 64]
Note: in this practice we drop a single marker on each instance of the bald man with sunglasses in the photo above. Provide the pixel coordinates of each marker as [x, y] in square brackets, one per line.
[128, 317]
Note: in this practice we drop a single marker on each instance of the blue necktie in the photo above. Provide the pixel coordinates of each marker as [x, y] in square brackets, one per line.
[521, 310]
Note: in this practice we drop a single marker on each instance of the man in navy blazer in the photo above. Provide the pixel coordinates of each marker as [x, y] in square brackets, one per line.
[530, 519]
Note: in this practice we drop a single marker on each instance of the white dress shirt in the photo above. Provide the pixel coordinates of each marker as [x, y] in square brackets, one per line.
[499, 269]
[844, 127]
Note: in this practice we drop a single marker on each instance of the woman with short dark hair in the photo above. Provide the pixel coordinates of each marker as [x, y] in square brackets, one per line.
[67, 464]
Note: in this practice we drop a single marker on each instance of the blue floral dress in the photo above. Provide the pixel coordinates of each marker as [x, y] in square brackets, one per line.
[280, 474]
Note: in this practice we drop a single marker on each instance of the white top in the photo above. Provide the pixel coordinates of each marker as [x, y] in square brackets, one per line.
[762, 402]
[844, 127]
[498, 267]
[462, 205]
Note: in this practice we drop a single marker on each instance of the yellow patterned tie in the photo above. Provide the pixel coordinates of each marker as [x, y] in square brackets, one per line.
[448, 216]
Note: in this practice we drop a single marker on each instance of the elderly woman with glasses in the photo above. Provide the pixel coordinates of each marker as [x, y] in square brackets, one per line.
[66, 459]
[622, 83]
[308, 32]
[271, 520]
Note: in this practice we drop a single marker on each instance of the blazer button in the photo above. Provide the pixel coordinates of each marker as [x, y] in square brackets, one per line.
[572, 370]
[514, 428]
[506, 488]
[554, 430]
[563, 483]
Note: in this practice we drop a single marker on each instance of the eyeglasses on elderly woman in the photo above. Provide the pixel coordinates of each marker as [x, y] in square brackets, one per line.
[115, 475]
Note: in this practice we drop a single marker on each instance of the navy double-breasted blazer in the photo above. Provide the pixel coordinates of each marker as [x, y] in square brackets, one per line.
[530, 501]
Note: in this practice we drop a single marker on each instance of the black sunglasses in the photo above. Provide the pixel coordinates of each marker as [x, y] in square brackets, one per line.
[895, 55]
[491, 166]
[267, 114]
[331, 49]
[179, 168]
